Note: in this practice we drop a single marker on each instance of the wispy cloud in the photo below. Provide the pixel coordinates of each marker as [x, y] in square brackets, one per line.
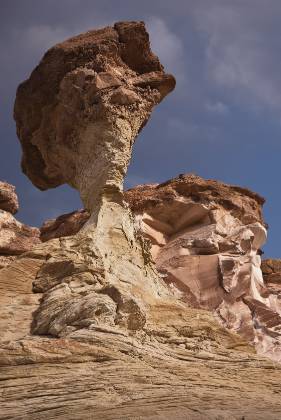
[241, 52]
[218, 108]
[168, 46]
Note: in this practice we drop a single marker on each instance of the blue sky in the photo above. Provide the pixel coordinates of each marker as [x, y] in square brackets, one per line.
[223, 121]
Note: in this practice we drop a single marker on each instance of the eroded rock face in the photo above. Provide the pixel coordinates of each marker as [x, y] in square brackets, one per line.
[8, 198]
[271, 270]
[181, 364]
[15, 237]
[205, 239]
[77, 118]
[88, 315]
[64, 225]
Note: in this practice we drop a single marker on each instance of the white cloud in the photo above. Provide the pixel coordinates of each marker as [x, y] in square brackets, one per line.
[192, 132]
[217, 108]
[42, 37]
[241, 52]
[168, 46]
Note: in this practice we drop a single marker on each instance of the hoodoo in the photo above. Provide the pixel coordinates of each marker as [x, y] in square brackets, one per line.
[89, 327]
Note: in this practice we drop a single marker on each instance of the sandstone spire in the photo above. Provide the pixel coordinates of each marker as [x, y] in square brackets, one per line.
[77, 118]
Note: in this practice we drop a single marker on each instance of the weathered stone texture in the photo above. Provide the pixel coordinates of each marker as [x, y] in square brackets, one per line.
[15, 237]
[90, 329]
[8, 198]
[79, 112]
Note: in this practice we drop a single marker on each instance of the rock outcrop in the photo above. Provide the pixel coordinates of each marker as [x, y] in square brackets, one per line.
[89, 329]
[15, 237]
[271, 270]
[205, 239]
[8, 198]
[64, 225]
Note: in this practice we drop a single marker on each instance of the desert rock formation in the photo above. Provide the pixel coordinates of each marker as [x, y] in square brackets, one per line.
[15, 237]
[8, 198]
[205, 240]
[89, 329]
[81, 109]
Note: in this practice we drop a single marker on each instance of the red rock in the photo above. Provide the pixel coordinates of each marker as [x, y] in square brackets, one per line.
[271, 270]
[15, 237]
[113, 65]
[65, 225]
[8, 198]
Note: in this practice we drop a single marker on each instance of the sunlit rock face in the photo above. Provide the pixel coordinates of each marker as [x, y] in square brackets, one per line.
[206, 238]
[89, 316]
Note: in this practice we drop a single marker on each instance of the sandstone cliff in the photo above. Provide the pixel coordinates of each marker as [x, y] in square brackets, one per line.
[89, 327]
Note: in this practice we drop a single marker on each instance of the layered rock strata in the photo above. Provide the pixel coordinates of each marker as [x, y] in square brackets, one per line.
[77, 118]
[205, 240]
[88, 327]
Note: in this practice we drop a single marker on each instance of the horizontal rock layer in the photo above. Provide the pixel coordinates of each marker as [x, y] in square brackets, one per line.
[181, 364]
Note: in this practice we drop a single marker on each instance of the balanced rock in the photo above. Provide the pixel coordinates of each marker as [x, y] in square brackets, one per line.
[88, 326]
[77, 118]
[81, 109]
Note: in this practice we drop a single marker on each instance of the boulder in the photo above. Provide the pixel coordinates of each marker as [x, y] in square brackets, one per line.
[64, 225]
[15, 237]
[8, 198]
